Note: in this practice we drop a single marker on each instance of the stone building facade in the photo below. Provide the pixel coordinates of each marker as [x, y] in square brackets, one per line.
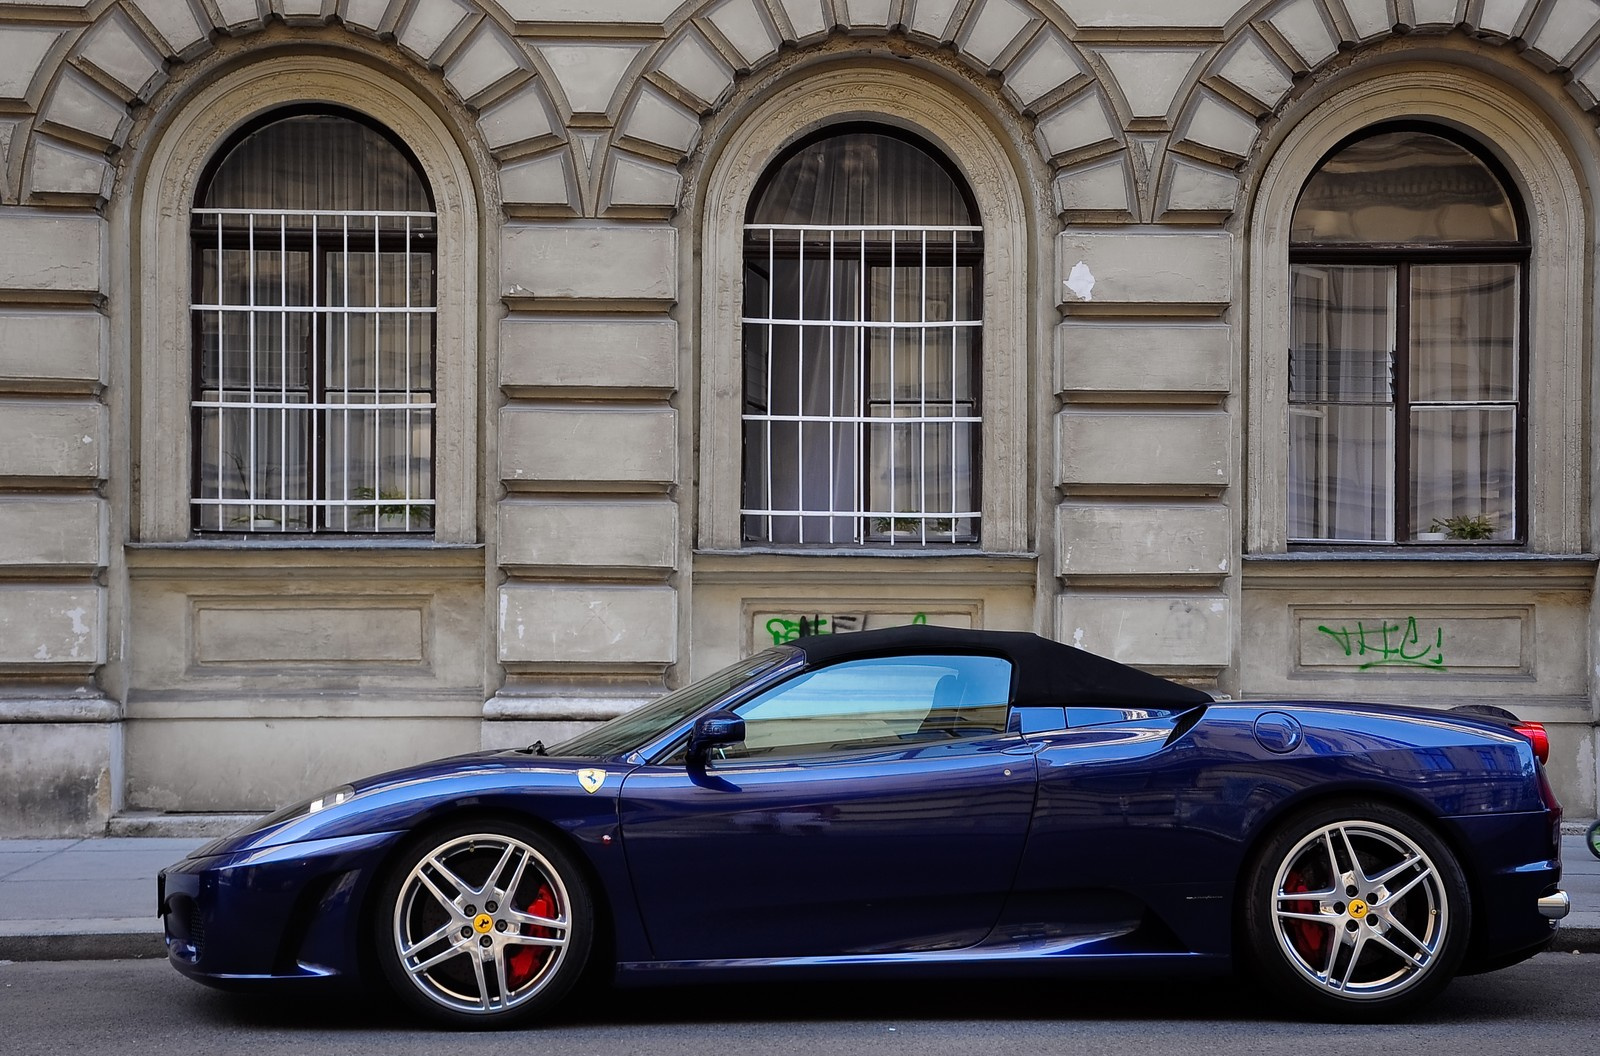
[1263, 344]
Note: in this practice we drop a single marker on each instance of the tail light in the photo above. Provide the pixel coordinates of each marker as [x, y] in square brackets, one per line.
[1540, 740]
[1536, 735]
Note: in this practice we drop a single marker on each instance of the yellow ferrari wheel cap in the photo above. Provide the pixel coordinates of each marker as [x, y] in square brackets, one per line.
[591, 780]
[483, 923]
[1358, 908]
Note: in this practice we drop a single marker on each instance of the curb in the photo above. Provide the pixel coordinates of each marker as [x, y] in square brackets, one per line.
[82, 947]
[1578, 938]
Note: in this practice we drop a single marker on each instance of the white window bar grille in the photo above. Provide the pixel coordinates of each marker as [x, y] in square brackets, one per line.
[862, 413]
[314, 398]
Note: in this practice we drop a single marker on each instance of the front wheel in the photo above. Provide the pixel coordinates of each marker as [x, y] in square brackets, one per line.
[1594, 839]
[1357, 911]
[483, 924]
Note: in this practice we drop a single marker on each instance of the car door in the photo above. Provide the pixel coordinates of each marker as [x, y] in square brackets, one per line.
[877, 805]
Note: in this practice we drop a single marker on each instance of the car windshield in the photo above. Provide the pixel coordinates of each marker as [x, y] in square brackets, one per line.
[627, 732]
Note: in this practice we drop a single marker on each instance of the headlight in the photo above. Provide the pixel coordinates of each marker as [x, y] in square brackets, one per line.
[331, 798]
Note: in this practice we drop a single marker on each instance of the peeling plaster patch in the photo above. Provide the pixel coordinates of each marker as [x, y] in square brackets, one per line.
[43, 653]
[1077, 637]
[1216, 606]
[1588, 771]
[1080, 281]
[78, 626]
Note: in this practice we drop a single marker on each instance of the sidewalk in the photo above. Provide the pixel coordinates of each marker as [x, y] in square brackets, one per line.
[64, 900]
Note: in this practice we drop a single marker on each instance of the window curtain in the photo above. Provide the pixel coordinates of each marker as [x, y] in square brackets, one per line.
[1463, 390]
[1341, 411]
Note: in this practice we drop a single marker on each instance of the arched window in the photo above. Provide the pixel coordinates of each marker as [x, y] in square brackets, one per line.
[313, 239]
[1407, 320]
[862, 327]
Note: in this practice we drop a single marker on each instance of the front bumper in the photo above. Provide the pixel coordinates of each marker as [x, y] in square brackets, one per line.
[291, 912]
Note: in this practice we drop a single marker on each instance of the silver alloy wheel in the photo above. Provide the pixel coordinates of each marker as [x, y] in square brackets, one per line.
[1360, 910]
[482, 923]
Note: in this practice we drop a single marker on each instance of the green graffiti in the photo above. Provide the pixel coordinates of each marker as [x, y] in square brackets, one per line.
[1390, 645]
[787, 628]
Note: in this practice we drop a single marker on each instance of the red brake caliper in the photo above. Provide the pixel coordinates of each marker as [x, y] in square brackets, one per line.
[1310, 940]
[525, 961]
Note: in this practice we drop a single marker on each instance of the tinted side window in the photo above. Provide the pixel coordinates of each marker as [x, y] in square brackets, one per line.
[882, 701]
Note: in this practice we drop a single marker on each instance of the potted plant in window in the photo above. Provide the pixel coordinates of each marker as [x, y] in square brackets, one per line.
[910, 527]
[258, 519]
[392, 510]
[1465, 526]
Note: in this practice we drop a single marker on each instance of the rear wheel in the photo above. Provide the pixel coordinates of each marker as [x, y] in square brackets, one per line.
[1358, 911]
[483, 924]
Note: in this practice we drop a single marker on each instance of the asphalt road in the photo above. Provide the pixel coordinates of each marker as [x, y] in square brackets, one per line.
[1550, 1005]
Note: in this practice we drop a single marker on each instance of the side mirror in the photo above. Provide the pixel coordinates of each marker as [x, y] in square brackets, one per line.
[710, 731]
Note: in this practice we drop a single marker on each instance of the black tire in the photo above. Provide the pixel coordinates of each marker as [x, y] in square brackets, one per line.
[1366, 942]
[1593, 839]
[483, 924]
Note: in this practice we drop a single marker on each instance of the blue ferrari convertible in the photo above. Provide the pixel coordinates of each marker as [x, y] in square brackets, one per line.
[917, 800]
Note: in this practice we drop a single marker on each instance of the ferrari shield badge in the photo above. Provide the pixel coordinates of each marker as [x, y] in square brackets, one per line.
[591, 780]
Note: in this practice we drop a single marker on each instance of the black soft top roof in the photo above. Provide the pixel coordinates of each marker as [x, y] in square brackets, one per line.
[1045, 672]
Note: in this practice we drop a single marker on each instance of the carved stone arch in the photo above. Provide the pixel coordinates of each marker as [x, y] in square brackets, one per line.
[1027, 47]
[1273, 43]
[105, 73]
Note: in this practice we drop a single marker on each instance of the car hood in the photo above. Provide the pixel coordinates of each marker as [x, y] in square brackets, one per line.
[576, 789]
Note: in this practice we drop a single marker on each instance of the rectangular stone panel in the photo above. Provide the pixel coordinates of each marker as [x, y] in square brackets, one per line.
[1159, 269]
[556, 447]
[628, 262]
[1094, 358]
[594, 535]
[54, 349]
[306, 627]
[592, 626]
[1137, 540]
[1481, 640]
[1144, 450]
[52, 532]
[52, 626]
[1153, 632]
[308, 631]
[40, 438]
[592, 353]
[50, 253]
